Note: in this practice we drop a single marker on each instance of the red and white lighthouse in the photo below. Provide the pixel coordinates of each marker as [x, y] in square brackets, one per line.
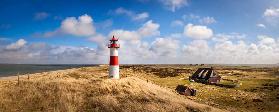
[113, 62]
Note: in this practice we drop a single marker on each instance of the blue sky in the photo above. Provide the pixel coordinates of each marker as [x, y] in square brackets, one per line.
[183, 27]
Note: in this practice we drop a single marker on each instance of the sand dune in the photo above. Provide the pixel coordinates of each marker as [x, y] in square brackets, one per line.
[88, 89]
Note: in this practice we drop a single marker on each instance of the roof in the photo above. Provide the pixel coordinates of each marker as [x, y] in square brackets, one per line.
[113, 38]
[204, 73]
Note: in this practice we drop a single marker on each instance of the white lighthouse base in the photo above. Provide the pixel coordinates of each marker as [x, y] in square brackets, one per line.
[114, 72]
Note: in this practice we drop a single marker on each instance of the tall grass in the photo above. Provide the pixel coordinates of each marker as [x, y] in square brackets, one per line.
[81, 90]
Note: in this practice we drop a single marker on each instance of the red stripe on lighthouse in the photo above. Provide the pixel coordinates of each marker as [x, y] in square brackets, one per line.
[113, 60]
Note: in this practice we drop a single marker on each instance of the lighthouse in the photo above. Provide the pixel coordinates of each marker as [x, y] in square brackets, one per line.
[113, 62]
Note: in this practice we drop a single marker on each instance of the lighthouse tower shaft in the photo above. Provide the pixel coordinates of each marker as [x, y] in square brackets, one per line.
[113, 63]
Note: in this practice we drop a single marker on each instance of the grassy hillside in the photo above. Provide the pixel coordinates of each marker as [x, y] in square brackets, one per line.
[88, 89]
[242, 88]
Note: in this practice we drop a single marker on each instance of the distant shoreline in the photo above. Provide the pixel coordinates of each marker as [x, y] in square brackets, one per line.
[7, 70]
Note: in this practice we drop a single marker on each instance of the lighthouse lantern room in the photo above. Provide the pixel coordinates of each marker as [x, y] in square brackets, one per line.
[113, 62]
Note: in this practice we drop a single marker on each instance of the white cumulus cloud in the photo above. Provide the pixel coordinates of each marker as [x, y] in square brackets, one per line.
[227, 51]
[149, 29]
[197, 31]
[17, 45]
[197, 48]
[271, 17]
[125, 34]
[271, 12]
[165, 46]
[230, 36]
[81, 26]
[232, 50]
[221, 48]
[266, 40]
[261, 25]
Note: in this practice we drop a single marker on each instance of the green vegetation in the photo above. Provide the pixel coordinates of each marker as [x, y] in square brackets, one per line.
[242, 88]
[142, 88]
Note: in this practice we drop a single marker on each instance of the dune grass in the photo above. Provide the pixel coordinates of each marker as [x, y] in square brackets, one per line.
[88, 89]
[242, 88]
[141, 88]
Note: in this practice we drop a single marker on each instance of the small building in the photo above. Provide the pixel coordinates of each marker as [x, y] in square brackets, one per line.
[205, 75]
[185, 90]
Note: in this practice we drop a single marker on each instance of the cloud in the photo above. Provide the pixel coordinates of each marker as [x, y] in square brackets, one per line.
[177, 23]
[148, 29]
[176, 35]
[141, 16]
[165, 47]
[267, 45]
[230, 36]
[196, 48]
[266, 40]
[232, 50]
[17, 45]
[207, 20]
[134, 16]
[101, 42]
[49, 54]
[41, 15]
[130, 41]
[190, 16]
[264, 51]
[198, 19]
[173, 5]
[261, 26]
[271, 17]
[4, 42]
[271, 12]
[132, 45]
[81, 26]
[97, 39]
[121, 10]
[205, 47]
[197, 31]
[236, 52]
[125, 35]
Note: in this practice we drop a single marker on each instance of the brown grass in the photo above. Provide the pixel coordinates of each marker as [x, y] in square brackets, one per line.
[241, 88]
[88, 89]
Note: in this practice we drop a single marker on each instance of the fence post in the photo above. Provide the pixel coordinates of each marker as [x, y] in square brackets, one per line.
[17, 78]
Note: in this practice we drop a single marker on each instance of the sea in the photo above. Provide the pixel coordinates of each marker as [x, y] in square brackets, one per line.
[14, 69]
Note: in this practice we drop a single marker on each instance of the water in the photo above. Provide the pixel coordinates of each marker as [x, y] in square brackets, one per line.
[14, 69]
